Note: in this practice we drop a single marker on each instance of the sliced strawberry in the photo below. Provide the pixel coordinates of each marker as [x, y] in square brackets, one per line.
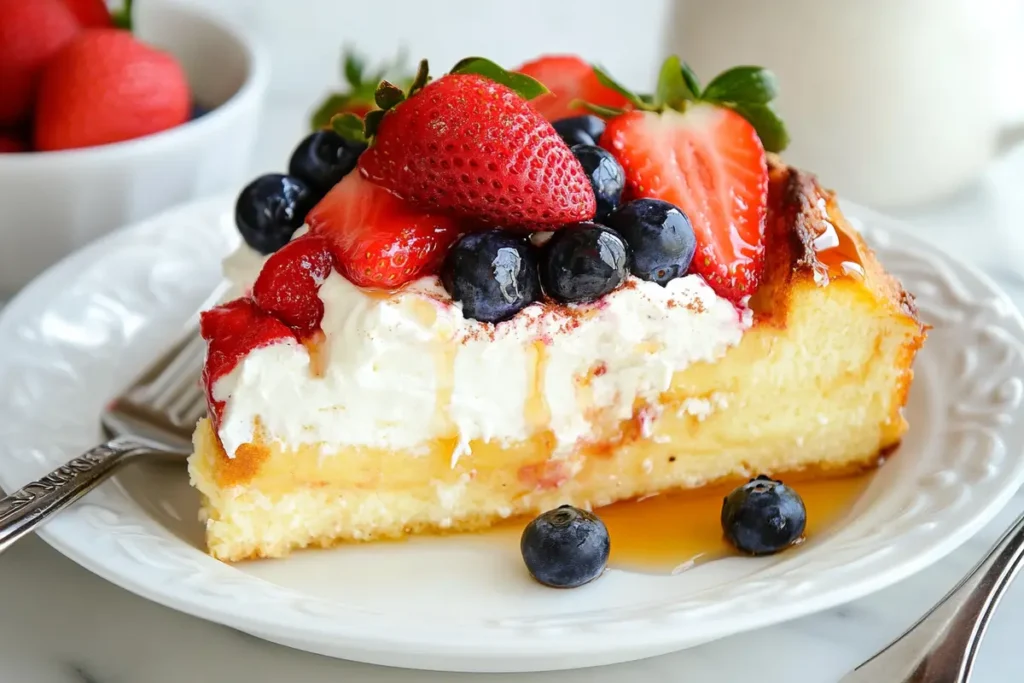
[569, 78]
[232, 330]
[710, 163]
[379, 240]
[470, 146]
[288, 284]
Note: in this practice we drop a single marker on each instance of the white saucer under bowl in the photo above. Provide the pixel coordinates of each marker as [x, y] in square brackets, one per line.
[80, 332]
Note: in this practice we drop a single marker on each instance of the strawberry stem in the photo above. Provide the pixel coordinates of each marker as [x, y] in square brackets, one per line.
[123, 17]
[524, 85]
[747, 90]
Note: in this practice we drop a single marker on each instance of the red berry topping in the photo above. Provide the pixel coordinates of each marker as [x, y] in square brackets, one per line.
[570, 80]
[232, 330]
[473, 147]
[12, 142]
[377, 239]
[710, 163]
[106, 87]
[90, 13]
[31, 33]
[288, 284]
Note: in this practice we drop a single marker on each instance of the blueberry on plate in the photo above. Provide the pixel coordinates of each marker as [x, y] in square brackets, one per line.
[605, 175]
[582, 262]
[270, 209]
[492, 274]
[323, 158]
[660, 238]
[763, 516]
[565, 547]
[580, 130]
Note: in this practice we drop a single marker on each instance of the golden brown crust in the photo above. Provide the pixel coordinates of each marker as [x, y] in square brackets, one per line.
[800, 213]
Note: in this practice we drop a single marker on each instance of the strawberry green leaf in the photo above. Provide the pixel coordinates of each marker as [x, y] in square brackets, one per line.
[422, 78]
[603, 112]
[122, 18]
[332, 104]
[672, 89]
[692, 82]
[766, 122]
[354, 66]
[610, 82]
[527, 87]
[372, 122]
[349, 126]
[388, 95]
[750, 84]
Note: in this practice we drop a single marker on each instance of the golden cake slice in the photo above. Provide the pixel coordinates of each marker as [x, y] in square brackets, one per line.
[404, 418]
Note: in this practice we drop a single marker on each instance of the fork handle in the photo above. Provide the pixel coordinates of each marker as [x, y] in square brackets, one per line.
[941, 647]
[29, 507]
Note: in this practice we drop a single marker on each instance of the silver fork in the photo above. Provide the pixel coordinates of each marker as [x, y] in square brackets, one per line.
[942, 646]
[153, 417]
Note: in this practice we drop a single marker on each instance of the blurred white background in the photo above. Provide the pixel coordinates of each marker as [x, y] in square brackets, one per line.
[895, 103]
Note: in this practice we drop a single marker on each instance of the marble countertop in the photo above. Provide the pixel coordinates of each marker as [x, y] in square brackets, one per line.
[61, 624]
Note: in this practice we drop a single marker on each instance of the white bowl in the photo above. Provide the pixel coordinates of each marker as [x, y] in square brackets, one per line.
[51, 203]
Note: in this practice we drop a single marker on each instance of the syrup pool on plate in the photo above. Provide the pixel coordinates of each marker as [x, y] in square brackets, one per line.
[670, 533]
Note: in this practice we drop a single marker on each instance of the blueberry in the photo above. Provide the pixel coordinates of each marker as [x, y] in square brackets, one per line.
[660, 238]
[270, 209]
[580, 130]
[323, 159]
[197, 111]
[582, 262]
[492, 274]
[763, 516]
[605, 175]
[565, 547]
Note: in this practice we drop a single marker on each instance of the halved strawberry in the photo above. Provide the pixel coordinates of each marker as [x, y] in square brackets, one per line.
[232, 330]
[288, 284]
[569, 78]
[377, 239]
[703, 149]
[710, 163]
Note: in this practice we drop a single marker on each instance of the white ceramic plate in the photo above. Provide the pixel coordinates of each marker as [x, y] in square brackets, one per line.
[86, 327]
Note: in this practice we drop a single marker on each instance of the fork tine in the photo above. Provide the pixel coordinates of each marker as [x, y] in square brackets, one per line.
[164, 403]
[162, 390]
[196, 410]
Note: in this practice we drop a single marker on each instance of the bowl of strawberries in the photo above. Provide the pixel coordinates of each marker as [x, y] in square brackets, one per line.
[109, 116]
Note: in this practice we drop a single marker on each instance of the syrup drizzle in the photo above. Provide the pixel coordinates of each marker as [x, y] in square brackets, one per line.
[671, 533]
[316, 346]
[836, 250]
[537, 411]
[444, 366]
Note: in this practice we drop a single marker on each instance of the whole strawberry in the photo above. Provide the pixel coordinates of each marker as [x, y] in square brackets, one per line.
[571, 81]
[12, 143]
[90, 13]
[469, 144]
[31, 33]
[107, 87]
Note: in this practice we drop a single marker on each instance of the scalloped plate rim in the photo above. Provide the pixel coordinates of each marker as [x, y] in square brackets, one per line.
[629, 645]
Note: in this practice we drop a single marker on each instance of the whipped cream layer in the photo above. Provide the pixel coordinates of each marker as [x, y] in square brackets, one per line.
[398, 370]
